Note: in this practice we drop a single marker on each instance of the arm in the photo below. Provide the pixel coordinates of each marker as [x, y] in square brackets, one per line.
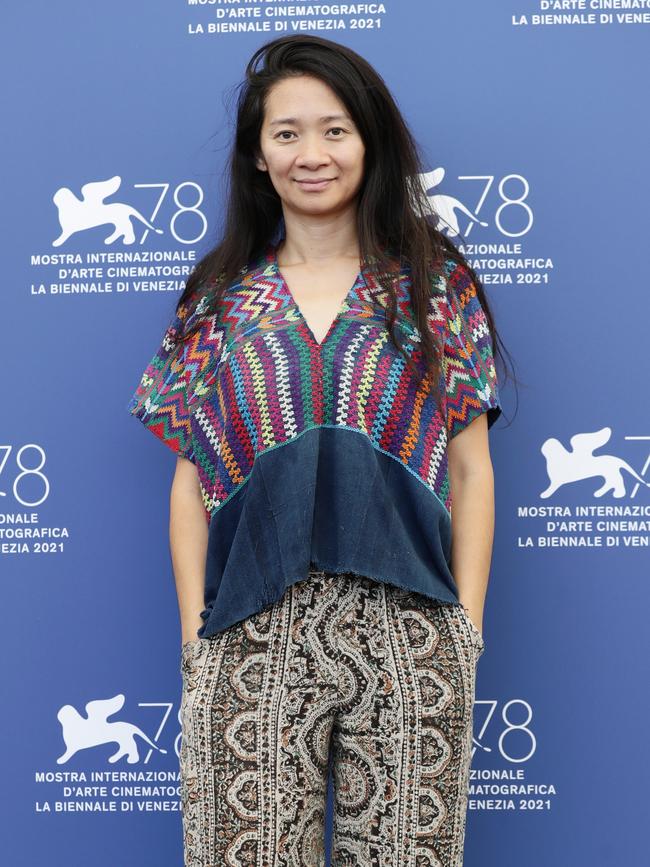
[472, 485]
[188, 537]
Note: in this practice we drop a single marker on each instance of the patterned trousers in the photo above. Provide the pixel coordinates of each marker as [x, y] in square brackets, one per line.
[344, 671]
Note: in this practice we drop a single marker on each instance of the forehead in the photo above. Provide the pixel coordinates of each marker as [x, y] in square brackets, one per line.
[303, 99]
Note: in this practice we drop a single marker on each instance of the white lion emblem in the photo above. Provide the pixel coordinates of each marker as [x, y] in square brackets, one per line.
[91, 210]
[565, 466]
[79, 733]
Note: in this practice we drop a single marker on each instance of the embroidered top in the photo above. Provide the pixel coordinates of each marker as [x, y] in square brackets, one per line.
[329, 456]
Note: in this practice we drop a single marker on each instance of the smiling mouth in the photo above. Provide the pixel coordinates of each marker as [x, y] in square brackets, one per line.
[314, 184]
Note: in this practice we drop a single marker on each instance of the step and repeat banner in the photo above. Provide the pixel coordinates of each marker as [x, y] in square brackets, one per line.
[532, 119]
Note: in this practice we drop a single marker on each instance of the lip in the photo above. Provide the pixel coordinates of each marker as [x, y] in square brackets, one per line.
[314, 184]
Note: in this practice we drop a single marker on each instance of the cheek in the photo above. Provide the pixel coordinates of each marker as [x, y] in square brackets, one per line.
[354, 162]
[281, 165]
[278, 163]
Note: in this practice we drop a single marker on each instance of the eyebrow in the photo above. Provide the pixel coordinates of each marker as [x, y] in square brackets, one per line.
[294, 120]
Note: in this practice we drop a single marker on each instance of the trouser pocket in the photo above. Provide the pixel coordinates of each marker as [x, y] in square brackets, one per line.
[475, 635]
[188, 652]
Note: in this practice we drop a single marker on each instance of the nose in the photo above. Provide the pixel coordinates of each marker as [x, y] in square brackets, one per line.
[312, 152]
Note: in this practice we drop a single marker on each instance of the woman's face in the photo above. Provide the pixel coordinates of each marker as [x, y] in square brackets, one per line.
[307, 135]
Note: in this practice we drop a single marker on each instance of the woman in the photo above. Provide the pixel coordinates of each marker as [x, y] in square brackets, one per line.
[327, 380]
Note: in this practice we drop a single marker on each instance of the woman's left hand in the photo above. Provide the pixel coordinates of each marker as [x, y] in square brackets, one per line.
[477, 621]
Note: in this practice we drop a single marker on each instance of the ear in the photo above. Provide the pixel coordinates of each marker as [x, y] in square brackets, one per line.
[260, 163]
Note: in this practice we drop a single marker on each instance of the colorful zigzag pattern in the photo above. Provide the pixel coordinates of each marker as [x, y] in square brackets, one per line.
[253, 378]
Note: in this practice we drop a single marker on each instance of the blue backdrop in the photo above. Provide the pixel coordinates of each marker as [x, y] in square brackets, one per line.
[534, 128]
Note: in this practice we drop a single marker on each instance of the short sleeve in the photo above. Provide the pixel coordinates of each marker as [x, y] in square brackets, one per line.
[468, 362]
[162, 399]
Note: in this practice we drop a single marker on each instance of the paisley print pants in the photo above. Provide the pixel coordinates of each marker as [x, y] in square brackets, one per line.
[343, 671]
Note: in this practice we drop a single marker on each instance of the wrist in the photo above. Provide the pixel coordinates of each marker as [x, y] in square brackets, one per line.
[475, 615]
[189, 628]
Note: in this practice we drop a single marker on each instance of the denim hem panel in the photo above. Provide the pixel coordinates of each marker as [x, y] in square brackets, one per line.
[331, 499]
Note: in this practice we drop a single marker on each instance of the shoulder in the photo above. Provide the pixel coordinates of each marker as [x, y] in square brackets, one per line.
[258, 269]
[447, 282]
[259, 263]
[461, 293]
[448, 277]
[199, 311]
[457, 274]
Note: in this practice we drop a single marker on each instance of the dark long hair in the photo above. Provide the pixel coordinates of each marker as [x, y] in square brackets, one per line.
[394, 216]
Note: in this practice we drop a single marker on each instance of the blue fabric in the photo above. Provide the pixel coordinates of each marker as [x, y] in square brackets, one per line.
[324, 500]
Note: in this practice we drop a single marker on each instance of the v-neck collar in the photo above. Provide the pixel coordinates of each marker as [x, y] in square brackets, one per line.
[344, 307]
